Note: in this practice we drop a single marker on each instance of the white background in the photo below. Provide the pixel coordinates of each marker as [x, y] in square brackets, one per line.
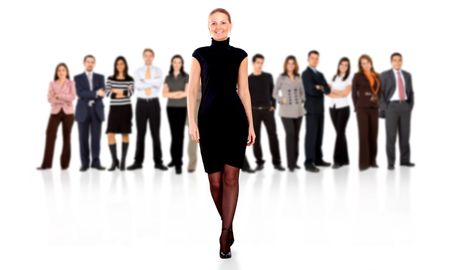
[156, 220]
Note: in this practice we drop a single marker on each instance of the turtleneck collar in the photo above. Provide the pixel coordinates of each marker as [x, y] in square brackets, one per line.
[221, 43]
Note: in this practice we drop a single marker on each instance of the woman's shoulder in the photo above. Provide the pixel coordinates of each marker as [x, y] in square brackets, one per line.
[240, 52]
[199, 50]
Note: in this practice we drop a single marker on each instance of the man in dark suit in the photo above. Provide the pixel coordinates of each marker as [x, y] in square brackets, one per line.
[396, 103]
[89, 113]
[315, 88]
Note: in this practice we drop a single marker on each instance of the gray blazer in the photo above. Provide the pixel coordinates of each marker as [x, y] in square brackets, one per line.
[293, 93]
[388, 84]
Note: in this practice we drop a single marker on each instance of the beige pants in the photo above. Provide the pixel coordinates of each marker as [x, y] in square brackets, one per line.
[192, 147]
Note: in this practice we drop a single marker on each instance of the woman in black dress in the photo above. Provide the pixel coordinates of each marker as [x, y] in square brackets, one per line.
[119, 88]
[225, 122]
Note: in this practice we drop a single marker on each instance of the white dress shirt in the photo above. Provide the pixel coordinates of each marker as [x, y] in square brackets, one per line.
[396, 96]
[340, 85]
[155, 82]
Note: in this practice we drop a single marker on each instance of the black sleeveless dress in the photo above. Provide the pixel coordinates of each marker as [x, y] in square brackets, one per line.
[222, 121]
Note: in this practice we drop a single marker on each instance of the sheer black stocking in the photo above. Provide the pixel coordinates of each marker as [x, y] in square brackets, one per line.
[224, 187]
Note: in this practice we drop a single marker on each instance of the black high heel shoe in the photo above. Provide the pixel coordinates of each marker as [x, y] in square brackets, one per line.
[114, 165]
[225, 253]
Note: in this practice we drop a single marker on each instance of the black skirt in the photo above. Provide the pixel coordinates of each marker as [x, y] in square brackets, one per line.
[119, 119]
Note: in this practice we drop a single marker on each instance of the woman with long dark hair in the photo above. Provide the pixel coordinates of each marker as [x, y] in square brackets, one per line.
[341, 87]
[61, 94]
[174, 89]
[225, 122]
[366, 90]
[290, 94]
[119, 88]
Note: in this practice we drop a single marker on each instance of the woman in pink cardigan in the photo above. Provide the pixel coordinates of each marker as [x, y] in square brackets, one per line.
[61, 94]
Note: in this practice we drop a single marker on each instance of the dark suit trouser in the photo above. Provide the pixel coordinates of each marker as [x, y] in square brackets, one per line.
[398, 121]
[148, 111]
[313, 138]
[93, 126]
[177, 122]
[52, 129]
[339, 117]
[292, 129]
[267, 117]
[368, 135]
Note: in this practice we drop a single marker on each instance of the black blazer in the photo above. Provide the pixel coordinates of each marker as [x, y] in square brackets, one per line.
[85, 95]
[388, 84]
[313, 97]
[362, 93]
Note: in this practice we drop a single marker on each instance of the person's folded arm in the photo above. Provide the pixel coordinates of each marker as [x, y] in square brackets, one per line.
[310, 88]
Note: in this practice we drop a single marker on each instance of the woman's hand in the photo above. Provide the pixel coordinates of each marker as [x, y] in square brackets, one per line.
[251, 136]
[193, 132]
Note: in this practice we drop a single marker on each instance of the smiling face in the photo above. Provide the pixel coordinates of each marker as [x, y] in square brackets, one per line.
[89, 64]
[290, 66]
[176, 64]
[258, 65]
[397, 62]
[219, 26]
[62, 72]
[120, 66]
[148, 58]
[313, 60]
[343, 67]
[366, 65]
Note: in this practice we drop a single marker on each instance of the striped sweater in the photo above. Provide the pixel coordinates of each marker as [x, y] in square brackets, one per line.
[126, 85]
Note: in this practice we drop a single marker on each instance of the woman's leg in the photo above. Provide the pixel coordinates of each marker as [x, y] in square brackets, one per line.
[229, 202]
[171, 115]
[113, 150]
[290, 141]
[363, 132]
[67, 123]
[216, 188]
[125, 142]
[52, 128]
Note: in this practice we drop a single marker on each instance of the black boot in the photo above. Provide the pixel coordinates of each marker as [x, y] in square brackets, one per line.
[115, 163]
[124, 156]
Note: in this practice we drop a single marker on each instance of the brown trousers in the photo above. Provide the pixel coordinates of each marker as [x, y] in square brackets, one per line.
[52, 128]
[368, 135]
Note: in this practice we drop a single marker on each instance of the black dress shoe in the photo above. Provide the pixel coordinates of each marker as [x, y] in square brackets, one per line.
[408, 164]
[43, 168]
[312, 168]
[178, 169]
[279, 168]
[170, 164]
[374, 165]
[259, 167]
[98, 167]
[322, 163]
[297, 167]
[84, 168]
[391, 167]
[134, 167]
[161, 167]
[361, 169]
[191, 170]
[336, 166]
[248, 170]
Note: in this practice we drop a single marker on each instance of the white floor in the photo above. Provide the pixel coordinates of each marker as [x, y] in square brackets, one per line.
[337, 219]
